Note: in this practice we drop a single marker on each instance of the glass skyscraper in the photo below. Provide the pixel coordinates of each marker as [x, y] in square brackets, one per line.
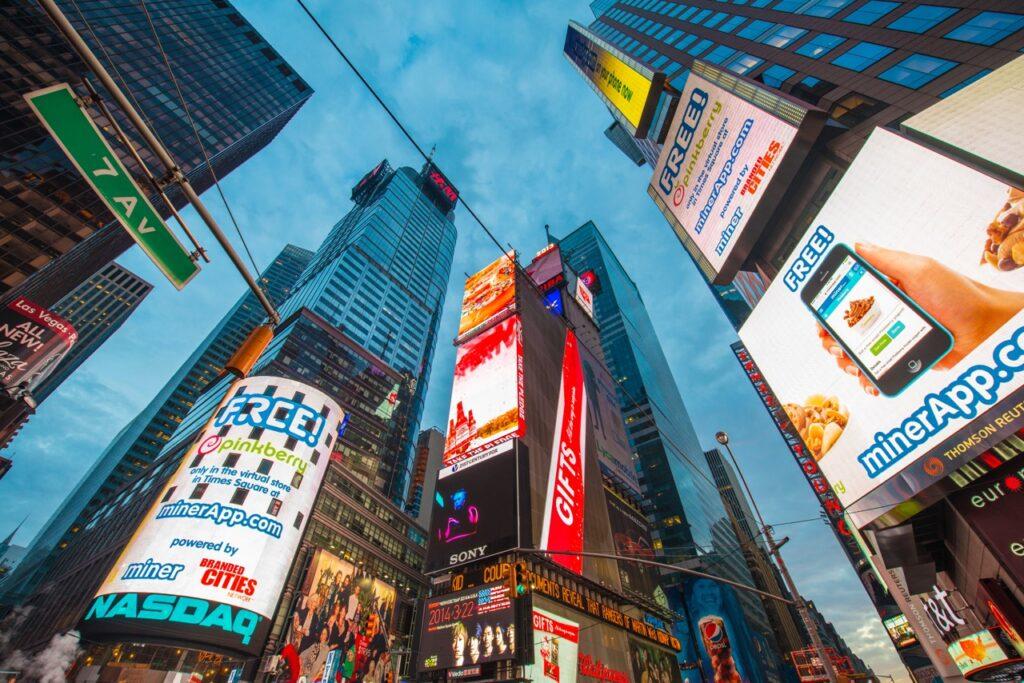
[138, 444]
[240, 92]
[688, 519]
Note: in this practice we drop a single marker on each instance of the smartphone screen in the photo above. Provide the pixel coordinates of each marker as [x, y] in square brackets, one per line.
[884, 332]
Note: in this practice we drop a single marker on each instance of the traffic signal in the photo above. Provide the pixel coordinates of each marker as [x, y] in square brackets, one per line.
[520, 582]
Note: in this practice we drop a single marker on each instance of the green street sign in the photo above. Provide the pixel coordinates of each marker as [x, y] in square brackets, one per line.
[77, 134]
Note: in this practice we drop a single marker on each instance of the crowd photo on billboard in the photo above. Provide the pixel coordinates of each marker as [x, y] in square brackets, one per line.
[652, 665]
[894, 332]
[345, 609]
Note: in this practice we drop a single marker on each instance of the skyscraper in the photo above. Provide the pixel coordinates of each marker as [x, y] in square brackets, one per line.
[97, 308]
[139, 442]
[686, 513]
[429, 450]
[238, 89]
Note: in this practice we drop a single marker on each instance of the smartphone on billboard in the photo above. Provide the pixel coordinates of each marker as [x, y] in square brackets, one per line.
[891, 339]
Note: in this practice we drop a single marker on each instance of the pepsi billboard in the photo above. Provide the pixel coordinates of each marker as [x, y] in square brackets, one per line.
[725, 646]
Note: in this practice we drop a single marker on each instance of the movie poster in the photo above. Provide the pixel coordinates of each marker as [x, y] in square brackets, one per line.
[343, 609]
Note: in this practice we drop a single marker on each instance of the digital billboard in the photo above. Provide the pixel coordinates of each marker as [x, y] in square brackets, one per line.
[892, 334]
[900, 630]
[207, 564]
[546, 268]
[652, 664]
[627, 87]
[556, 643]
[487, 406]
[584, 297]
[632, 538]
[474, 626]
[342, 609]
[441, 187]
[725, 647]
[994, 506]
[489, 294]
[33, 341]
[562, 528]
[975, 651]
[474, 510]
[720, 156]
[981, 122]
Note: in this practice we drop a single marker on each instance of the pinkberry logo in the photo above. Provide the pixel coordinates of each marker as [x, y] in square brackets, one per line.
[209, 444]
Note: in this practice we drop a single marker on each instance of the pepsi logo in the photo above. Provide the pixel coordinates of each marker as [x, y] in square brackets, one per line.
[712, 631]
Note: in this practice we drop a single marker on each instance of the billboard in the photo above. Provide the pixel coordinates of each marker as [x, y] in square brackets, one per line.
[719, 158]
[980, 122]
[546, 268]
[33, 341]
[342, 618]
[442, 188]
[652, 664]
[632, 538]
[474, 626]
[584, 297]
[556, 643]
[207, 563]
[613, 450]
[975, 651]
[474, 510]
[489, 294]
[900, 630]
[562, 529]
[626, 86]
[893, 333]
[725, 647]
[487, 406]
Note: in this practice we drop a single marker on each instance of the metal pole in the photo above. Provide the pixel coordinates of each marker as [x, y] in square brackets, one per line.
[94, 64]
[799, 602]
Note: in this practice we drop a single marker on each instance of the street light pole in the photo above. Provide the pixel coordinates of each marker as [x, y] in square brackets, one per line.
[773, 548]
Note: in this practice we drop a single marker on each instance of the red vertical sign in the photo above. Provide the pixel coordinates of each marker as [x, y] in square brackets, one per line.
[563, 514]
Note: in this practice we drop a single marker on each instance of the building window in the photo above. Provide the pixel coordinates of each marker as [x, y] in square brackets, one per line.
[861, 56]
[745, 64]
[716, 19]
[239, 496]
[825, 8]
[699, 48]
[782, 36]
[296, 480]
[719, 54]
[256, 432]
[733, 22]
[988, 28]
[274, 507]
[315, 457]
[922, 18]
[232, 459]
[870, 12]
[819, 45]
[776, 75]
[755, 29]
[916, 70]
[298, 520]
[966, 82]
[198, 491]
[811, 89]
[195, 461]
[264, 466]
[170, 492]
[855, 109]
[685, 40]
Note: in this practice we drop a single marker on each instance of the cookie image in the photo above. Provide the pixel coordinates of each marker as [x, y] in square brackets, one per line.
[1004, 247]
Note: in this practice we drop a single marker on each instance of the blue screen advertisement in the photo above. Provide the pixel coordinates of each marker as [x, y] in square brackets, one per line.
[725, 643]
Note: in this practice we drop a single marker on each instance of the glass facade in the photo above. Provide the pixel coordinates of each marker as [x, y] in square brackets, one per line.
[96, 309]
[240, 92]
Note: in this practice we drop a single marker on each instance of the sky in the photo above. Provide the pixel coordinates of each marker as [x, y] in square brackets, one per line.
[520, 134]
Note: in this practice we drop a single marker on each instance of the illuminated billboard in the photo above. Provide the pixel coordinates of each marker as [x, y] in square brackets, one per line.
[207, 564]
[342, 609]
[900, 630]
[546, 268]
[474, 626]
[976, 651]
[556, 645]
[981, 122]
[651, 664]
[727, 142]
[489, 294]
[628, 87]
[894, 333]
[725, 646]
[993, 507]
[33, 341]
[632, 538]
[487, 406]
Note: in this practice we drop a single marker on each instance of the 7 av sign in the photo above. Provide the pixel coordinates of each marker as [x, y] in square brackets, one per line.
[82, 141]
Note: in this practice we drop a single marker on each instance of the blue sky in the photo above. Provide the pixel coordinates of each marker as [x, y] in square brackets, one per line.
[521, 135]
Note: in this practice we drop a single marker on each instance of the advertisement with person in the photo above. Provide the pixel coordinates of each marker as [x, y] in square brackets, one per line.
[474, 510]
[894, 332]
[632, 538]
[725, 646]
[721, 153]
[342, 610]
[474, 626]
[488, 294]
[613, 450]
[651, 664]
[209, 560]
[555, 648]
[900, 630]
[33, 341]
[487, 406]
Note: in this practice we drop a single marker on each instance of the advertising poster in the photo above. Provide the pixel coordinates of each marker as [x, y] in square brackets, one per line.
[632, 538]
[489, 293]
[994, 506]
[32, 342]
[474, 511]
[207, 563]
[342, 619]
[474, 626]
[613, 450]
[719, 157]
[725, 646]
[652, 665]
[584, 297]
[976, 651]
[546, 268]
[893, 334]
[487, 406]
[563, 511]
[556, 643]
[900, 631]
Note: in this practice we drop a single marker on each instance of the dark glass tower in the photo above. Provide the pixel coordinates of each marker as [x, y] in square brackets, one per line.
[54, 230]
[138, 444]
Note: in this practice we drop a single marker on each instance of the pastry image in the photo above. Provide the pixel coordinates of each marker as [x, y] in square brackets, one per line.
[820, 422]
[857, 310]
[1004, 247]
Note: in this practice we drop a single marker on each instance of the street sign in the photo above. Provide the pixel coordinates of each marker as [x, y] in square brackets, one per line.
[77, 134]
